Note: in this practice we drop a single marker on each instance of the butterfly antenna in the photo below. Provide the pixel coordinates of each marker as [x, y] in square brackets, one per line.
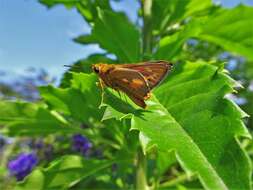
[101, 85]
[73, 66]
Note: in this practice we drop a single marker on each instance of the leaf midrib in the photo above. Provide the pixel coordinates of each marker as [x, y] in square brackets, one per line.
[195, 144]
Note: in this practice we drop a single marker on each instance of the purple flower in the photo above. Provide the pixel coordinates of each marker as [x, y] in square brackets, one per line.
[39, 144]
[81, 144]
[22, 165]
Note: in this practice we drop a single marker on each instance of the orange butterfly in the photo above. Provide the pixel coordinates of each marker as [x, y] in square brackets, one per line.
[135, 80]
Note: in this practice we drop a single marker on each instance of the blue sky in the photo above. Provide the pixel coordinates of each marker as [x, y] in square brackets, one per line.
[33, 36]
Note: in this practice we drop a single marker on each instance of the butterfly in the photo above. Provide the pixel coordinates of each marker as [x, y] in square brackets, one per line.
[135, 80]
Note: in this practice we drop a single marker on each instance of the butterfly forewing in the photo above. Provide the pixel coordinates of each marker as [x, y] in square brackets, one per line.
[153, 72]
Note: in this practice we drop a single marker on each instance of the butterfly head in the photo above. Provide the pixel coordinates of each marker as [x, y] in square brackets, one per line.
[101, 68]
[96, 68]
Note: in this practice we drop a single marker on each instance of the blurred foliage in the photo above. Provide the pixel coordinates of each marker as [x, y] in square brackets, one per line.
[24, 86]
[192, 134]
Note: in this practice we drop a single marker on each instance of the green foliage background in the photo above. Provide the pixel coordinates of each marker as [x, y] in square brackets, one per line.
[191, 135]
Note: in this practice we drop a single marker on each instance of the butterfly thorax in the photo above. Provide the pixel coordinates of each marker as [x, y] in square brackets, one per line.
[103, 70]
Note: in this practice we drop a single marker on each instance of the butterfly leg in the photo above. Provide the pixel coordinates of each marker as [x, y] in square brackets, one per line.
[101, 84]
[147, 96]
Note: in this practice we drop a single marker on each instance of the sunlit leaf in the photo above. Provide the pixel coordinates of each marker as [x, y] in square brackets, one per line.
[80, 101]
[119, 36]
[191, 117]
[88, 9]
[231, 29]
[228, 28]
[167, 13]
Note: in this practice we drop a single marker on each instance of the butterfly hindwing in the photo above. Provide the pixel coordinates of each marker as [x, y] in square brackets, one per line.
[130, 82]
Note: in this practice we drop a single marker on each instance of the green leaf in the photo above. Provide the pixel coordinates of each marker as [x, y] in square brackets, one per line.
[51, 3]
[36, 180]
[88, 9]
[85, 39]
[231, 30]
[114, 33]
[191, 117]
[228, 28]
[80, 101]
[119, 35]
[21, 118]
[165, 14]
[164, 161]
[64, 173]
[171, 46]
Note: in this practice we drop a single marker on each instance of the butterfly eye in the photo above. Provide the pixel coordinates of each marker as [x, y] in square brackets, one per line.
[95, 69]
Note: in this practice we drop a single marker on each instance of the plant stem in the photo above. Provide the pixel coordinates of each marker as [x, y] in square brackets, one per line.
[177, 180]
[147, 24]
[141, 181]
